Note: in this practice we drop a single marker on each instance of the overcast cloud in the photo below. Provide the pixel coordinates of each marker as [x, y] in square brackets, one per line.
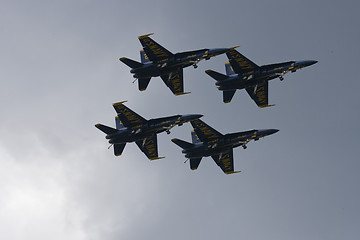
[60, 73]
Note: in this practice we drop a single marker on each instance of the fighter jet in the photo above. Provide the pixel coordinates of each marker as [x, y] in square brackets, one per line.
[158, 61]
[131, 127]
[206, 141]
[243, 73]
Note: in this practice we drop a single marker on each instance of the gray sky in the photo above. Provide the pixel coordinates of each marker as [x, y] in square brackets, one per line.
[60, 73]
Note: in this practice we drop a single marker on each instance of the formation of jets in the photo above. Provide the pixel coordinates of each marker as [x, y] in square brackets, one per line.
[241, 73]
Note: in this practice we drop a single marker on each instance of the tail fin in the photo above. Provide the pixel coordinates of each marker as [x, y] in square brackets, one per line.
[131, 63]
[228, 95]
[118, 123]
[144, 57]
[217, 76]
[106, 129]
[143, 83]
[195, 138]
[228, 68]
[182, 144]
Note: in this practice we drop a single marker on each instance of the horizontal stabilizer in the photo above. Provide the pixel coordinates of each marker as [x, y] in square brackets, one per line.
[119, 148]
[217, 76]
[131, 63]
[182, 144]
[194, 163]
[143, 83]
[106, 129]
[228, 95]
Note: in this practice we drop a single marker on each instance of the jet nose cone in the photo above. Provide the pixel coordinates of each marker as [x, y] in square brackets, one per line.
[306, 63]
[272, 131]
[197, 116]
[310, 62]
[266, 132]
[190, 117]
[218, 51]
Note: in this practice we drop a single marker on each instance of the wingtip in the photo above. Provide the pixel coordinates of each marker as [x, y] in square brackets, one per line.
[268, 105]
[156, 158]
[146, 35]
[227, 173]
[119, 103]
[232, 48]
[182, 93]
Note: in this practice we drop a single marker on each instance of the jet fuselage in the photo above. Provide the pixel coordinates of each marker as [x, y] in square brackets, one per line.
[259, 76]
[153, 126]
[175, 62]
[228, 141]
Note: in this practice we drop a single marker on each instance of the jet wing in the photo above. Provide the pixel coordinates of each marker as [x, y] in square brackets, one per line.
[240, 63]
[153, 50]
[205, 133]
[260, 94]
[128, 117]
[225, 161]
[149, 147]
[175, 81]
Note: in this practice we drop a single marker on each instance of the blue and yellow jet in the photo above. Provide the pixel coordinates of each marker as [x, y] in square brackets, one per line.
[243, 73]
[206, 142]
[158, 61]
[131, 127]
